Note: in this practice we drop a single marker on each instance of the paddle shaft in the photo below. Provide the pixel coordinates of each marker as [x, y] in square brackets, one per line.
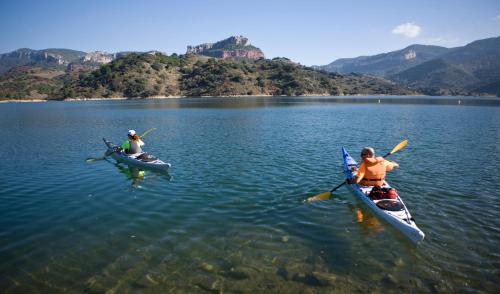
[147, 132]
[343, 183]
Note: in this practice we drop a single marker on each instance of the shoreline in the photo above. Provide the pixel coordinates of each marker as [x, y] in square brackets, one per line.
[375, 96]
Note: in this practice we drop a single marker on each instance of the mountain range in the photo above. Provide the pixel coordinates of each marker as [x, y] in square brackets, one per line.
[473, 69]
[235, 67]
[230, 67]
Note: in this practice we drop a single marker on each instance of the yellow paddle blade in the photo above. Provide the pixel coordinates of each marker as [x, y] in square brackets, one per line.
[147, 132]
[399, 146]
[320, 196]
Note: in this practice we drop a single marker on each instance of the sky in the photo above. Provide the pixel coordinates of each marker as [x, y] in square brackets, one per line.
[314, 32]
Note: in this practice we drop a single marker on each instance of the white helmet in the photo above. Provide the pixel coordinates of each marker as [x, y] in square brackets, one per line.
[131, 132]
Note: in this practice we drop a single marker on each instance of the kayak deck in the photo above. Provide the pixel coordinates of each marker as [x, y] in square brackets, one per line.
[393, 211]
[138, 159]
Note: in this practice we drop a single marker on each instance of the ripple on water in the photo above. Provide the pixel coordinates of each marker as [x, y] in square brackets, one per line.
[230, 215]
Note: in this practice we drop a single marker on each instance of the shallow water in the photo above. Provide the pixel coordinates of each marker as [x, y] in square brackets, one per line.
[230, 216]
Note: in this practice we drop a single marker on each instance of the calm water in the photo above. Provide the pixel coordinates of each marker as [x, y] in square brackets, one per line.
[230, 216]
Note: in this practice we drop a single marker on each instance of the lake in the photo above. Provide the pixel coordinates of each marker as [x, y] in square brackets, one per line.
[230, 214]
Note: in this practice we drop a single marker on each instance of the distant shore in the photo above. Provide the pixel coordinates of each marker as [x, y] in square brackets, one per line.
[231, 96]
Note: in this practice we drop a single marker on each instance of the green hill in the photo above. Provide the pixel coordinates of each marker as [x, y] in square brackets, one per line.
[147, 75]
[156, 74]
[32, 82]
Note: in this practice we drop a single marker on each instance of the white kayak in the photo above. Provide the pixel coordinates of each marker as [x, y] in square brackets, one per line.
[143, 160]
[393, 211]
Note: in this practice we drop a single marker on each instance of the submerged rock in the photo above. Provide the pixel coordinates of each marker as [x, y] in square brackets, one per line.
[282, 272]
[207, 267]
[325, 278]
[237, 274]
[390, 279]
[94, 286]
[308, 279]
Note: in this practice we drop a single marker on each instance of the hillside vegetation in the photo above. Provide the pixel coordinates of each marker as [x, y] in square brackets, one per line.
[26, 82]
[153, 75]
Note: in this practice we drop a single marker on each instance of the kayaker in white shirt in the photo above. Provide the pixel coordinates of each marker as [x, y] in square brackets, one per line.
[133, 144]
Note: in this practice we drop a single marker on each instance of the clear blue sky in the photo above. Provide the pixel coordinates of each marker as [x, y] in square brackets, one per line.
[309, 32]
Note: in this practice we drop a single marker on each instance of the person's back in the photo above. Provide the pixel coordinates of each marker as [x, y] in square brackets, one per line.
[372, 169]
[133, 144]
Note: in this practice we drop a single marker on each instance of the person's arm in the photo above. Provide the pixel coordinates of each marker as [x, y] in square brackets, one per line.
[389, 165]
[360, 173]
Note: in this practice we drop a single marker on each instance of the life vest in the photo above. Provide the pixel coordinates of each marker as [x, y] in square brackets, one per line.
[374, 172]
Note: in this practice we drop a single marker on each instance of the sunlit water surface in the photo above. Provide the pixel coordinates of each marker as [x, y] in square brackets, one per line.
[230, 215]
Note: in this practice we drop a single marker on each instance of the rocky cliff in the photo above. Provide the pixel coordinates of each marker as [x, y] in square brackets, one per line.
[45, 58]
[97, 57]
[235, 46]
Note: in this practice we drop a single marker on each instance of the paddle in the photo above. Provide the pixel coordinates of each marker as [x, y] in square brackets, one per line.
[326, 195]
[147, 132]
[91, 159]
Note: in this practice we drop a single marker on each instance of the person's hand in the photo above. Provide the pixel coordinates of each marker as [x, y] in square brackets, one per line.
[395, 164]
[351, 180]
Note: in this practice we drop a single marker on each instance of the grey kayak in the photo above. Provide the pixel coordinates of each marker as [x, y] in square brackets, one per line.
[138, 159]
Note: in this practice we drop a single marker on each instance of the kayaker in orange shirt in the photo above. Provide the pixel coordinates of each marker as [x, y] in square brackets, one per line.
[372, 169]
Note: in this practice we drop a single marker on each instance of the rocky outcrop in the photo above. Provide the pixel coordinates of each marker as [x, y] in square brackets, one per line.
[98, 57]
[199, 49]
[235, 46]
[411, 54]
[44, 58]
[239, 53]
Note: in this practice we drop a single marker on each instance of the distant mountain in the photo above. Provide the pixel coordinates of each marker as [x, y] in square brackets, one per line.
[45, 58]
[387, 63]
[235, 46]
[437, 77]
[57, 58]
[471, 69]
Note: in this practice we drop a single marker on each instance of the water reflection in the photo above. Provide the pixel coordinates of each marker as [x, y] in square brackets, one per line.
[369, 223]
[270, 101]
[138, 175]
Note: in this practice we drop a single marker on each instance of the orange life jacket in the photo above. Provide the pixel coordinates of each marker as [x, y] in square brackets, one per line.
[374, 171]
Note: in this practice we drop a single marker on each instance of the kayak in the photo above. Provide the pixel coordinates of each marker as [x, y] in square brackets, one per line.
[143, 160]
[393, 211]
